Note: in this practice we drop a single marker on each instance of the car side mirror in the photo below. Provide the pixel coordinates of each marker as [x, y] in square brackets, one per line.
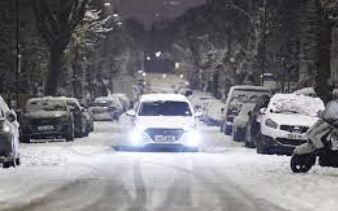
[11, 116]
[198, 114]
[250, 113]
[131, 113]
[262, 111]
[320, 114]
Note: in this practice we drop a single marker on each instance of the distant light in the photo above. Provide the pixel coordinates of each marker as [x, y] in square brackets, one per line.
[182, 76]
[107, 4]
[140, 71]
[119, 23]
[144, 74]
[116, 15]
[158, 54]
[148, 58]
[177, 65]
[164, 75]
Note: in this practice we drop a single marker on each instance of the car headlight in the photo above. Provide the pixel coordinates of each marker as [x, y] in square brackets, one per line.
[5, 128]
[270, 123]
[136, 136]
[192, 138]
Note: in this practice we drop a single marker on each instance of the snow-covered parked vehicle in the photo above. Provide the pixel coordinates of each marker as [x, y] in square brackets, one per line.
[239, 95]
[106, 108]
[9, 136]
[285, 121]
[47, 118]
[164, 120]
[241, 122]
[81, 125]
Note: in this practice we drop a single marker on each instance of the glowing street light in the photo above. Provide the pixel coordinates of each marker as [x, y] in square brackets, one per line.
[148, 58]
[107, 4]
[182, 76]
[115, 15]
[144, 74]
[158, 54]
[164, 75]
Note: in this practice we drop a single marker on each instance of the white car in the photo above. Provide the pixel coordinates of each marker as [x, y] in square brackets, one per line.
[285, 122]
[9, 136]
[106, 109]
[164, 120]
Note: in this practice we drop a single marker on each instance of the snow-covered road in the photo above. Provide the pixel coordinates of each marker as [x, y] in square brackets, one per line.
[90, 175]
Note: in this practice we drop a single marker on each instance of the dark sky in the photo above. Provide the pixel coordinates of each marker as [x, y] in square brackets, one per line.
[150, 10]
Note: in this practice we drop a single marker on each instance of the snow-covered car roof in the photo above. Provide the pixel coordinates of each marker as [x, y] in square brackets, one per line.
[309, 91]
[306, 105]
[163, 97]
[56, 99]
[250, 87]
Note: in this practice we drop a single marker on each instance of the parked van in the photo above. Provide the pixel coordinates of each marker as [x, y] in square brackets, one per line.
[237, 96]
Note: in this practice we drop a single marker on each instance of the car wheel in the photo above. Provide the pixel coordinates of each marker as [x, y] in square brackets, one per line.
[25, 139]
[261, 148]
[234, 135]
[70, 136]
[13, 163]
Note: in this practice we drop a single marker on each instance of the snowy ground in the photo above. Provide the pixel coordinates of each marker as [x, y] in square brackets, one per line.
[89, 175]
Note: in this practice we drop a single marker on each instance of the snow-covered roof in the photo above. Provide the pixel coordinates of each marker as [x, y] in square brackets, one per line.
[245, 87]
[296, 103]
[163, 97]
[306, 91]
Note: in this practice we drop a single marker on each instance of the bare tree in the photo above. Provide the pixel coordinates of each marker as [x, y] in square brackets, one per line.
[56, 21]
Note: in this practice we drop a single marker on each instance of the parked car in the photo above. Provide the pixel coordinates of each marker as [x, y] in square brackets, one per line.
[80, 119]
[47, 118]
[253, 128]
[285, 122]
[239, 95]
[105, 109]
[9, 136]
[164, 120]
[125, 101]
[241, 122]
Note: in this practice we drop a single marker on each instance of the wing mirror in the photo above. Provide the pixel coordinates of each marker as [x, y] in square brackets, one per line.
[262, 111]
[250, 113]
[131, 113]
[11, 116]
[198, 114]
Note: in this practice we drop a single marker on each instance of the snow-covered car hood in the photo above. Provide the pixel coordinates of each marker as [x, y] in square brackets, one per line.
[45, 114]
[291, 119]
[164, 122]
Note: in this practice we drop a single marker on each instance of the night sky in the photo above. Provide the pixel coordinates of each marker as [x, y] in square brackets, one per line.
[148, 11]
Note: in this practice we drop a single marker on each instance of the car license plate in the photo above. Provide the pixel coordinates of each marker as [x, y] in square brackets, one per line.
[164, 139]
[45, 128]
[295, 136]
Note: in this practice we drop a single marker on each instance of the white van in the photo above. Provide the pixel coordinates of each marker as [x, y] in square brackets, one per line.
[239, 95]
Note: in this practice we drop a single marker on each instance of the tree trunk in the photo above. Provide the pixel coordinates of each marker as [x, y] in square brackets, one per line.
[55, 68]
[323, 86]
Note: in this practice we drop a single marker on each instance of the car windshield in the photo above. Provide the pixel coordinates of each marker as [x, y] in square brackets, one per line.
[46, 105]
[240, 97]
[165, 108]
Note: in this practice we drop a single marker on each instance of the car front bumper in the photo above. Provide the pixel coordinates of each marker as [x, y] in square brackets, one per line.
[280, 145]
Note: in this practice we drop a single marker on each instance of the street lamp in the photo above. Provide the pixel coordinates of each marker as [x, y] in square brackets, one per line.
[107, 4]
[18, 54]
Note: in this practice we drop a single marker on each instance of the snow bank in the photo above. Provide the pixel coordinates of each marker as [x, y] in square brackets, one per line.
[296, 103]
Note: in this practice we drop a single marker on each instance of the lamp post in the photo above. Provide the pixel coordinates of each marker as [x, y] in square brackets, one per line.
[18, 54]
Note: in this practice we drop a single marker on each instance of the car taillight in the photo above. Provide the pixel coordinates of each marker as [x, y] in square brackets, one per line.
[230, 117]
[111, 109]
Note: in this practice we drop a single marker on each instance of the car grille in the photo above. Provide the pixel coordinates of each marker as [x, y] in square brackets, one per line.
[293, 142]
[153, 132]
[294, 129]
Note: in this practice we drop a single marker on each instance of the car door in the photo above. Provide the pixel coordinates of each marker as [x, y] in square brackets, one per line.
[263, 102]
